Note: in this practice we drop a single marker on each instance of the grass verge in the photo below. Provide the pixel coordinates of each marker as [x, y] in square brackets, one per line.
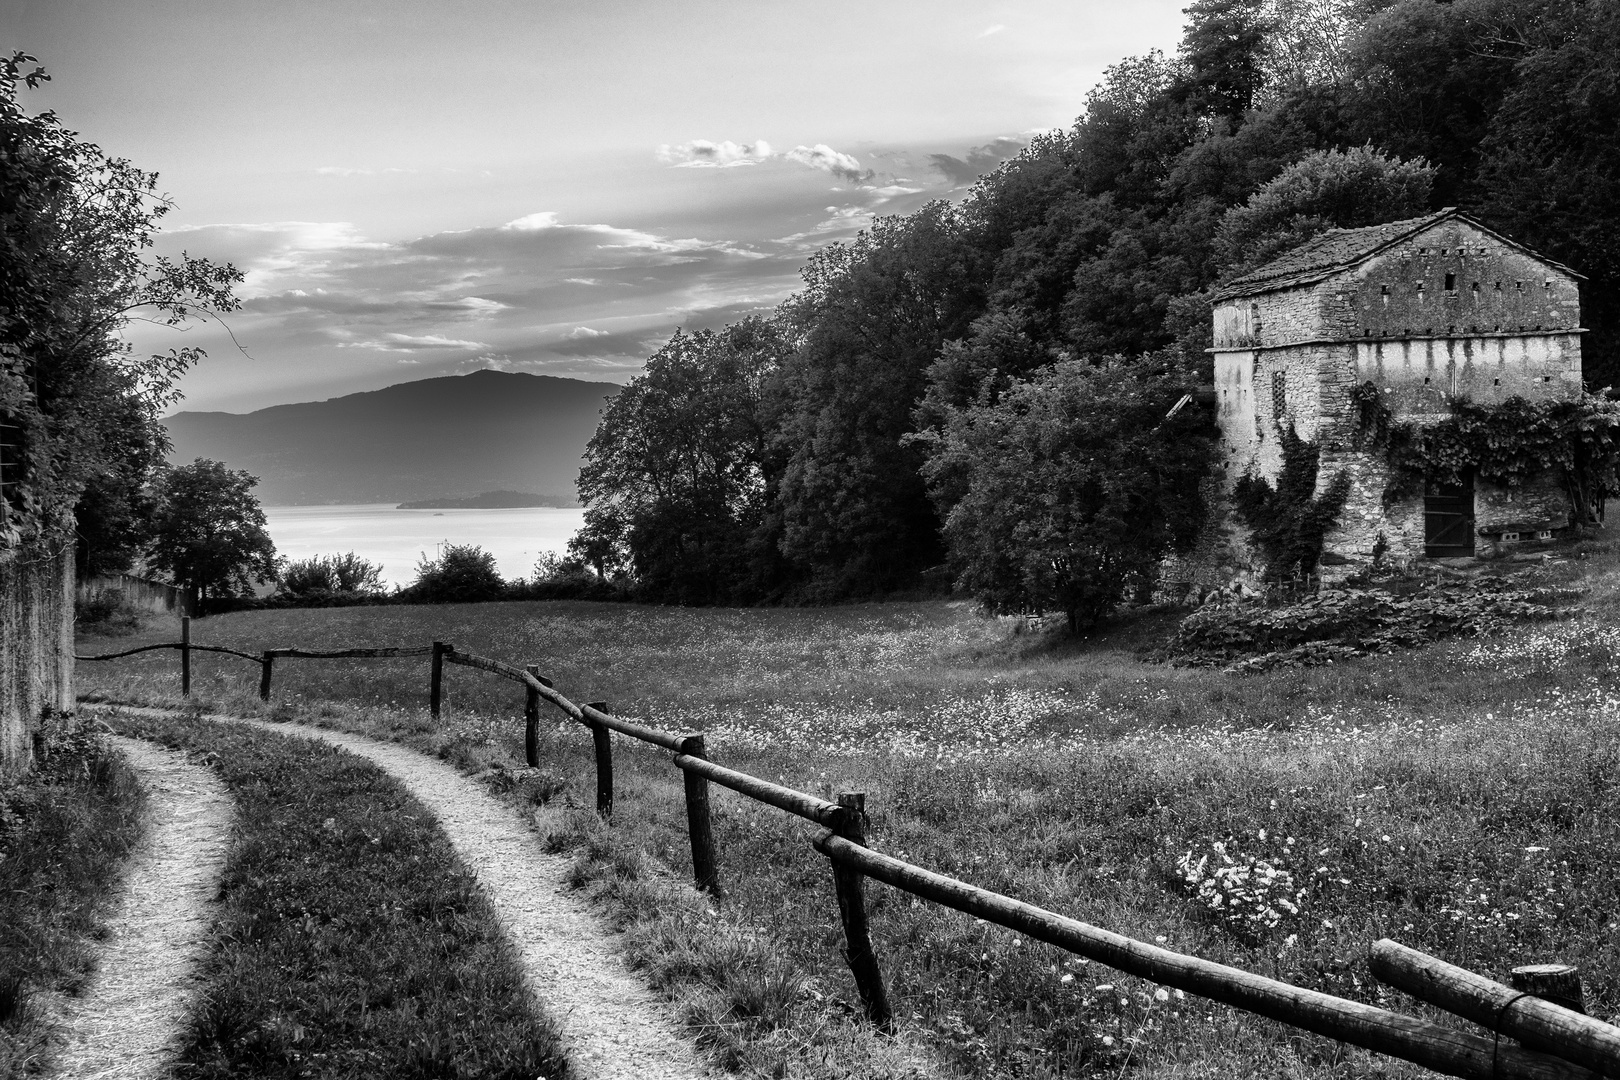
[65, 830]
[350, 940]
[1462, 798]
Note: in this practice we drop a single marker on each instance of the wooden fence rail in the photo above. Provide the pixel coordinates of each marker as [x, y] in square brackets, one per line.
[1560, 1044]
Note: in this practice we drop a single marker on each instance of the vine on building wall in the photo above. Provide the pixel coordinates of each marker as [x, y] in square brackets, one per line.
[1504, 443]
[1289, 521]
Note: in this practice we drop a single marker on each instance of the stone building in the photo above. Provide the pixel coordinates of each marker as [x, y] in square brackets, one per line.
[1429, 310]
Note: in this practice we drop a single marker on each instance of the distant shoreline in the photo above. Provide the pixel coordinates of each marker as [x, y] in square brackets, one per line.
[492, 500]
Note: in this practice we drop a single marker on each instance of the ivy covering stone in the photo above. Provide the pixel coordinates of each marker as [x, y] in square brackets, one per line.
[1505, 444]
[1288, 522]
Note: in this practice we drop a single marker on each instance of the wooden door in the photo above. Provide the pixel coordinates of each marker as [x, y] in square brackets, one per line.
[1448, 519]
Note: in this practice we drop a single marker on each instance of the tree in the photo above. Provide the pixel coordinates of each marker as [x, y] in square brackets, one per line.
[1327, 189]
[209, 531]
[462, 574]
[1064, 494]
[79, 408]
[855, 517]
[1550, 169]
[675, 476]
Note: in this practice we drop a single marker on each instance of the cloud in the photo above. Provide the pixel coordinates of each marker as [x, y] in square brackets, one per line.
[340, 170]
[703, 154]
[823, 157]
[409, 343]
[586, 332]
[989, 30]
[978, 160]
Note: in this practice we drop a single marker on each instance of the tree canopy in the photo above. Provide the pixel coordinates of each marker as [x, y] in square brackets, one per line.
[209, 531]
[1099, 245]
[78, 406]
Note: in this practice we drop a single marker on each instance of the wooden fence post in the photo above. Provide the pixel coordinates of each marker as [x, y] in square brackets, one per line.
[705, 872]
[185, 656]
[436, 687]
[1557, 983]
[850, 885]
[531, 720]
[603, 740]
[268, 661]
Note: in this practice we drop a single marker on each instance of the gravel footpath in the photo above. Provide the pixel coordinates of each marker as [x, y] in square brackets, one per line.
[613, 1027]
[126, 1021]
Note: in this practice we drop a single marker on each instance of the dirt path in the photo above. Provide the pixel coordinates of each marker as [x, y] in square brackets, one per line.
[613, 1027]
[125, 1023]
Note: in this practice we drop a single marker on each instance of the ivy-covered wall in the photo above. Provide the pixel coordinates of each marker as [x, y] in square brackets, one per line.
[36, 647]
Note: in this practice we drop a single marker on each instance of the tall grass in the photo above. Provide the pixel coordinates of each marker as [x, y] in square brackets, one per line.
[1461, 798]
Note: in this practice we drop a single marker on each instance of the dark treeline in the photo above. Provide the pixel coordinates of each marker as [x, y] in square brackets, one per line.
[848, 444]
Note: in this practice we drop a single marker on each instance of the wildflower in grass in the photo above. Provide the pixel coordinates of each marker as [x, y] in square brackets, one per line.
[1252, 894]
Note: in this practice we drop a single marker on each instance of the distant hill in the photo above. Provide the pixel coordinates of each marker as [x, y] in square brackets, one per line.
[450, 437]
[490, 500]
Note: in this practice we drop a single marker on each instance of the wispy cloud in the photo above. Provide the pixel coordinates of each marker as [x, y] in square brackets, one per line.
[701, 153]
[990, 30]
[823, 157]
[961, 171]
[411, 343]
[342, 170]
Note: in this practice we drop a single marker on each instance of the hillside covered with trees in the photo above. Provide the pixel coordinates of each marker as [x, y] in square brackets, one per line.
[861, 438]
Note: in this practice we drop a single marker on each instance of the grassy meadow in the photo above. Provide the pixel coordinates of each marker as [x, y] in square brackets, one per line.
[1461, 798]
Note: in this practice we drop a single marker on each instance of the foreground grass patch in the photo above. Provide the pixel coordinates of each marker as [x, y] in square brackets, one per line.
[350, 941]
[64, 833]
[1451, 797]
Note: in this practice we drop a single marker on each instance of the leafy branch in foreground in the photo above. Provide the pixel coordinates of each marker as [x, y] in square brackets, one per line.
[73, 273]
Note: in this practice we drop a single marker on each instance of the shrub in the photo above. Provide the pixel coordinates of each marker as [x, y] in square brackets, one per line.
[1066, 493]
[464, 573]
[347, 573]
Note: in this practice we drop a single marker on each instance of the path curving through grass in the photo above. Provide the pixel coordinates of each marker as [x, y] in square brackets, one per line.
[613, 1028]
[126, 1022]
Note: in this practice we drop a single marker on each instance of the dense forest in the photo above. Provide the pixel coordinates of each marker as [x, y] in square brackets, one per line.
[983, 391]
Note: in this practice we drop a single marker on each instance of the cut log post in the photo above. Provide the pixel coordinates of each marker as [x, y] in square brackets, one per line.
[436, 686]
[531, 720]
[1538, 1024]
[850, 886]
[602, 738]
[1557, 983]
[185, 656]
[267, 664]
[705, 871]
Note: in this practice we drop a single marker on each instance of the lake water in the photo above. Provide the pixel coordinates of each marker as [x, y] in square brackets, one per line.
[399, 538]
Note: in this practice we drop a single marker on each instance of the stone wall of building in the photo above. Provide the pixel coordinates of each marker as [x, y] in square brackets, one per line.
[36, 649]
[1453, 279]
[1423, 376]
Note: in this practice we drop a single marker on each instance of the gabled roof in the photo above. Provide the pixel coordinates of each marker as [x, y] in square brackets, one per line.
[1339, 249]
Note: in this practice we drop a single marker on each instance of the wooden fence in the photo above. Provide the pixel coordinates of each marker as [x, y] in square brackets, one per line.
[1541, 1012]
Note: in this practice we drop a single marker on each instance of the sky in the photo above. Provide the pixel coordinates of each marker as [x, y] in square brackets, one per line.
[419, 188]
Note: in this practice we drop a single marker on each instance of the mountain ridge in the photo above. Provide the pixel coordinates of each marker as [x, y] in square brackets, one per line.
[429, 438]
